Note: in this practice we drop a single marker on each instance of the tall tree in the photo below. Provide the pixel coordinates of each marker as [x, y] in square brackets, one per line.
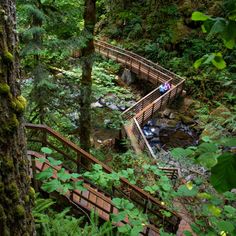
[87, 54]
[15, 191]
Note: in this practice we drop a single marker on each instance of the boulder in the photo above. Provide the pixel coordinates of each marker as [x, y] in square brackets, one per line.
[127, 77]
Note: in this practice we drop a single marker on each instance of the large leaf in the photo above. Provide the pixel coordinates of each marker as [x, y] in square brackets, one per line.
[218, 26]
[46, 174]
[208, 159]
[219, 62]
[63, 175]
[54, 162]
[180, 152]
[46, 150]
[223, 175]
[199, 16]
[51, 186]
[184, 191]
[226, 226]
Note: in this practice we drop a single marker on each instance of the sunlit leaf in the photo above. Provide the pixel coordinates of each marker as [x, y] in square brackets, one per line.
[46, 150]
[199, 16]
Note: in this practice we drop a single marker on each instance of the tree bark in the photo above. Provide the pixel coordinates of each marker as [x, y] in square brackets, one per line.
[86, 82]
[16, 195]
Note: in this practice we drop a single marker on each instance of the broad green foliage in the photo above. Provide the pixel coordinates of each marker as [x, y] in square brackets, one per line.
[127, 210]
[224, 27]
[224, 172]
[216, 156]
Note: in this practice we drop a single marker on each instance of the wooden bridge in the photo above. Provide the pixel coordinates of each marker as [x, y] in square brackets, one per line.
[94, 197]
[136, 116]
[73, 157]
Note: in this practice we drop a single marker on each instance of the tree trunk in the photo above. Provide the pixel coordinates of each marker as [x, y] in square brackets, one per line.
[86, 82]
[16, 195]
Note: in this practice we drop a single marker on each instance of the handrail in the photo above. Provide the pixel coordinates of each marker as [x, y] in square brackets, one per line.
[142, 67]
[143, 59]
[136, 190]
[156, 74]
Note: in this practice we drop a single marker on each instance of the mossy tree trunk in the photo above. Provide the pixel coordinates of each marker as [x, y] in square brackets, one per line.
[16, 195]
[86, 82]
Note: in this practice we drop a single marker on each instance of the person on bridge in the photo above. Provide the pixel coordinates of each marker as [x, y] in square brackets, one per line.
[164, 88]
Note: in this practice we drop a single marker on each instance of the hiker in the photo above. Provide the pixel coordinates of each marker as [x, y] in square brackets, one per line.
[164, 88]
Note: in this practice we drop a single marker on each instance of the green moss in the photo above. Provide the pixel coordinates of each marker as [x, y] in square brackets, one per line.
[26, 198]
[13, 191]
[20, 211]
[4, 89]
[13, 122]
[18, 104]
[7, 56]
[31, 193]
[8, 165]
[3, 218]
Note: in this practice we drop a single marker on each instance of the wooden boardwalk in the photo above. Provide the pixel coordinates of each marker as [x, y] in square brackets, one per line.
[137, 115]
[94, 197]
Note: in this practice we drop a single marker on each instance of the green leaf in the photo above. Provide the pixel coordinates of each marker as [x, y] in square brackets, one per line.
[124, 229]
[75, 175]
[198, 63]
[183, 191]
[216, 211]
[230, 211]
[187, 233]
[223, 175]
[230, 142]
[54, 162]
[46, 174]
[218, 26]
[229, 43]
[46, 150]
[79, 185]
[136, 230]
[199, 16]
[208, 159]
[51, 186]
[207, 147]
[226, 226]
[206, 139]
[181, 152]
[63, 175]
[219, 62]
[118, 217]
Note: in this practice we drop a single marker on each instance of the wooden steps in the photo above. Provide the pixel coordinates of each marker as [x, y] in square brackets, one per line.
[90, 199]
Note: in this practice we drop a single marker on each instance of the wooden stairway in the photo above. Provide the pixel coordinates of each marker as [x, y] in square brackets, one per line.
[94, 197]
[90, 199]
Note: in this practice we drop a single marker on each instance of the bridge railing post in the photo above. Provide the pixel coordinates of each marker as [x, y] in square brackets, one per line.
[78, 162]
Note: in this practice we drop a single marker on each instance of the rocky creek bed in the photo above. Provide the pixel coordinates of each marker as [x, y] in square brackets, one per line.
[175, 127]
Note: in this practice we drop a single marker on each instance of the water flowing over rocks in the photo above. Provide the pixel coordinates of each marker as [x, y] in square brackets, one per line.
[172, 128]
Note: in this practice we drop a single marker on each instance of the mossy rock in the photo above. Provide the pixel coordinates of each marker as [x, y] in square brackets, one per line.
[187, 119]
